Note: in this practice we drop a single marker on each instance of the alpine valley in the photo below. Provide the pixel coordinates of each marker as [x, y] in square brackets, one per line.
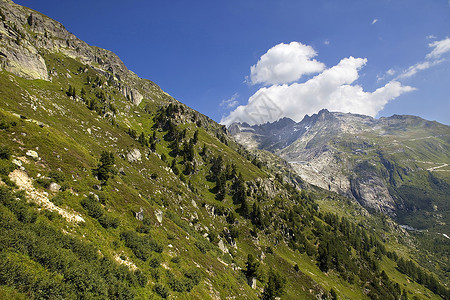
[112, 189]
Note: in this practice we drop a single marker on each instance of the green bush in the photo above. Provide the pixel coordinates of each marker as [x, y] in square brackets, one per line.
[57, 176]
[6, 167]
[5, 152]
[92, 206]
[107, 221]
[161, 290]
[141, 246]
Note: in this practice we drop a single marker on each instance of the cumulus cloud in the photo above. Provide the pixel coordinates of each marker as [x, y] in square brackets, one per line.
[230, 103]
[334, 89]
[431, 59]
[285, 63]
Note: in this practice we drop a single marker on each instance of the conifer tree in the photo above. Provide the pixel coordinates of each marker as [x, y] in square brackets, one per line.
[274, 287]
[251, 266]
[142, 140]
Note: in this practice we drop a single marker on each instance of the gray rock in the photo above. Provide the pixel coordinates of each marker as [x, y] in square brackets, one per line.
[17, 162]
[139, 215]
[252, 282]
[134, 155]
[159, 215]
[222, 247]
[54, 187]
[33, 154]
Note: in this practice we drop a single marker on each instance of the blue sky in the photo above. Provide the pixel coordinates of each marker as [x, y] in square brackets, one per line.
[372, 57]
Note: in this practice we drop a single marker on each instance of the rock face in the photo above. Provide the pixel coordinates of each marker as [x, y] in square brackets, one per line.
[26, 35]
[358, 156]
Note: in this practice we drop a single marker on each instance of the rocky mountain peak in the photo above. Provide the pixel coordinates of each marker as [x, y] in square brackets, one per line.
[356, 155]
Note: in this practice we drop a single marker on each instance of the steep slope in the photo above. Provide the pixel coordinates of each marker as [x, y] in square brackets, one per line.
[110, 188]
[397, 165]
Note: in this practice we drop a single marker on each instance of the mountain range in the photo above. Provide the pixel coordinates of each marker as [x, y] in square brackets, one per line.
[396, 165]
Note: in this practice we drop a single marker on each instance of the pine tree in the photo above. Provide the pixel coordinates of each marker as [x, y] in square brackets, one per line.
[274, 287]
[221, 186]
[105, 167]
[195, 138]
[245, 209]
[333, 294]
[174, 167]
[142, 140]
[239, 189]
[252, 266]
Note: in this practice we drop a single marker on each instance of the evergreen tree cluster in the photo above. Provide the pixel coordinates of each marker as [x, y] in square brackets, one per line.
[409, 268]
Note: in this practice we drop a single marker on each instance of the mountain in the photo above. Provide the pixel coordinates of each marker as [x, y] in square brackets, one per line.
[396, 165]
[112, 189]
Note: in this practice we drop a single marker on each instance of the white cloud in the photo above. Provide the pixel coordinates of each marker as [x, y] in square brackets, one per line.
[390, 72]
[333, 89]
[431, 37]
[326, 42]
[230, 103]
[285, 63]
[419, 67]
[431, 59]
[440, 48]
[374, 21]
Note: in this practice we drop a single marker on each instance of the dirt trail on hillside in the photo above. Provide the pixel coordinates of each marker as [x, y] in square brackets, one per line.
[24, 182]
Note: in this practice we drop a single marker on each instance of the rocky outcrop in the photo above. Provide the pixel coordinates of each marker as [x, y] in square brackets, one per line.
[25, 35]
[17, 54]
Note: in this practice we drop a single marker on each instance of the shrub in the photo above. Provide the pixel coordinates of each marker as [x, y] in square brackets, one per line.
[161, 290]
[154, 262]
[92, 206]
[141, 246]
[58, 199]
[57, 176]
[5, 152]
[108, 221]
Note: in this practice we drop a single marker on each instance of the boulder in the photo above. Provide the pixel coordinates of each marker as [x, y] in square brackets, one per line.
[54, 187]
[139, 215]
[17, 162]
[32, 154]
[134, 155]
[159, 215]
[252, 282]
[222, 247]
